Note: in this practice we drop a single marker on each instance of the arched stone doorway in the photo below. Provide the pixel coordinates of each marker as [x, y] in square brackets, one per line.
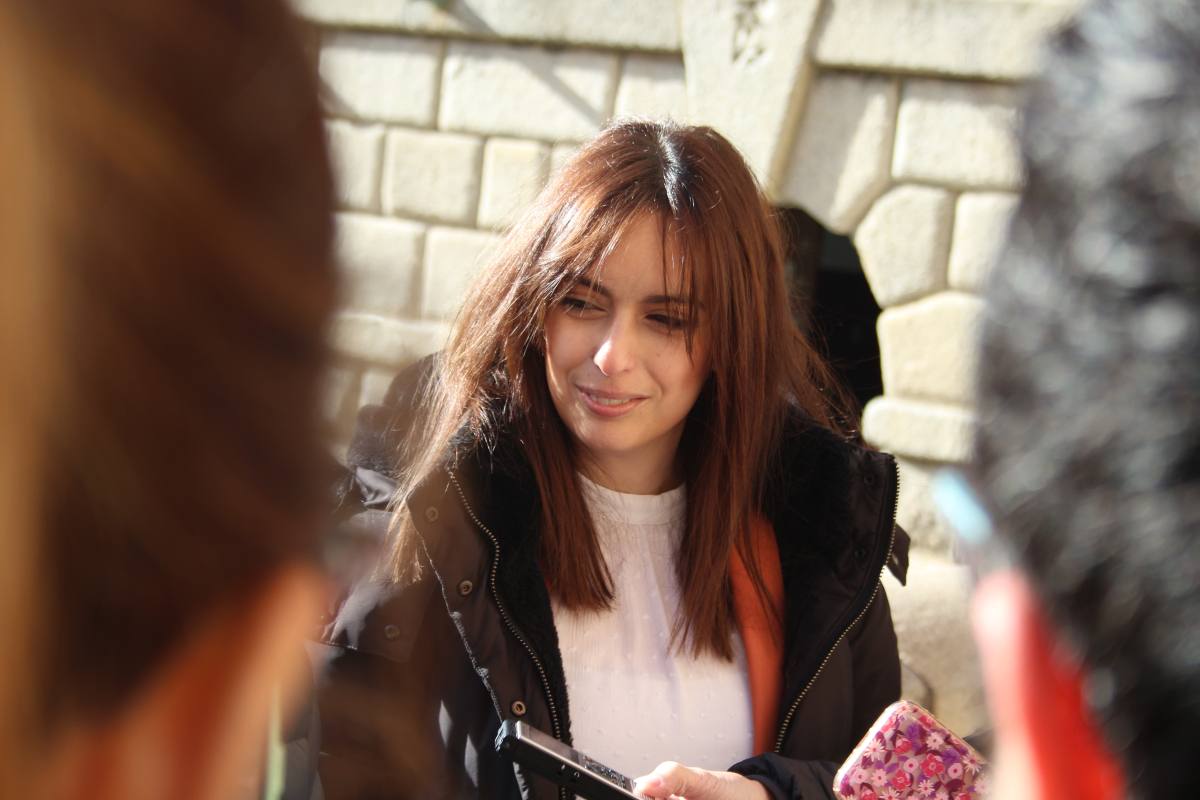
[834, 304]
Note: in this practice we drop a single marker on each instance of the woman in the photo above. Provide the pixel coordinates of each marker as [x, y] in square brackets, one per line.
[623, 481]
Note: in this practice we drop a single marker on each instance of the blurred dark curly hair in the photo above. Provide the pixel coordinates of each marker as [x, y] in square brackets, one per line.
[1089, 446]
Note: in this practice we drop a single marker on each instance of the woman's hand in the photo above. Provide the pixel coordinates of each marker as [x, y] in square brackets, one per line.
[670, 779]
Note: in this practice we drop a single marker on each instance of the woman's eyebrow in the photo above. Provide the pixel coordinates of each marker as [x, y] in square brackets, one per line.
[654, 299]
[668, 299]
[593, 286]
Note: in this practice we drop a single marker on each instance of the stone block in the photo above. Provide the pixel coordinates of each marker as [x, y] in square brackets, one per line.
[357, 155]
[375, 383]
[841, 159]
[527, 92]
[652, 86]
[916, 512]
[904, 242]
[934, 634]
[380, 77]
[432, 175]
[560, 155]
[980, 229]
[381, 263]
[959, 135]
[387, 342]
[339, 390]
[997, 40]
[743, 56]
[914, 687]
[929, 349]
[514, 171]
[624, 24]
[919, 430]
[453, 256]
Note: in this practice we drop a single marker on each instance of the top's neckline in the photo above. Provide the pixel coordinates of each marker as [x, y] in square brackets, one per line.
[635, 509]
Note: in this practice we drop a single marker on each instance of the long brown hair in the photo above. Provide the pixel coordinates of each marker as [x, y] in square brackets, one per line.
[28, 394]
[730, 253]
[191, 227]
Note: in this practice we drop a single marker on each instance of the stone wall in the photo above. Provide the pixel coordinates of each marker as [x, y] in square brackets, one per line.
[890, 121]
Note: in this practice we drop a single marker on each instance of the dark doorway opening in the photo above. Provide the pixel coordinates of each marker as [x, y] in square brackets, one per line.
[833, 303]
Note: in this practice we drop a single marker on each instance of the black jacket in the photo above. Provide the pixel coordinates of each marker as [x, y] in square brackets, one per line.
[416, 678]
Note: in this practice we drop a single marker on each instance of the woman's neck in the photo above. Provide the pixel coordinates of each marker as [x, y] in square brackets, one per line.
[632, 476]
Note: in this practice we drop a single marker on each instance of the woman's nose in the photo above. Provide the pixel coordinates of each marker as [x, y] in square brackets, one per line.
[616, 351]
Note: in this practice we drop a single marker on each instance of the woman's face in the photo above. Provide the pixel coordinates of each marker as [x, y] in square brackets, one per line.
[617, 366]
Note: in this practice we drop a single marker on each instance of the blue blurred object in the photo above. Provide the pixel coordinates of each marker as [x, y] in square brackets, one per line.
[975, 542]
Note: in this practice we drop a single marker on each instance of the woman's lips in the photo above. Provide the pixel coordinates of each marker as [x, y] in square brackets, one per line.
[608, 404]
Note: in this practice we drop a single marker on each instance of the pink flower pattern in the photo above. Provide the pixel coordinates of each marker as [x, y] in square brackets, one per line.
[908, 755]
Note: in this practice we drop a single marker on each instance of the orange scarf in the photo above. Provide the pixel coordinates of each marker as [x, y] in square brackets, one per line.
[761, 630]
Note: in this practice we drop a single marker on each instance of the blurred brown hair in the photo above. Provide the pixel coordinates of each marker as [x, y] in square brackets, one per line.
[190, 217]
[26, 396]
[720, 228]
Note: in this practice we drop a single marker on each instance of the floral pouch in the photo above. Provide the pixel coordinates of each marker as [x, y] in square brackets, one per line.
[906, 754]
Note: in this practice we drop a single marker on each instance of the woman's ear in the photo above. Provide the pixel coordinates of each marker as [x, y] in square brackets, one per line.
[1047, 744]
[197, 730]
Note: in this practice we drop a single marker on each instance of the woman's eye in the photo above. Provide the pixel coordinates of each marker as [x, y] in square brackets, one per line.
[577, 305]
[671, 323]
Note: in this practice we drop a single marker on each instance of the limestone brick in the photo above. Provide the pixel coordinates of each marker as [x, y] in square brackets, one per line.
[916, 512]
[997, 40]
[980, 228]
[387, 342]
[339, 393]
[934, 635]
[375, 383]
[747, 73]
[514, 171]
[357, 155]
[452, 258]
[958, 134]
[381, 263]
[914, 687]
[841, 158]
[560, 155]
[627, 24]
[652, 86]
[432, 175]
[381, 77]
[928, 349]
[528, 92]
[904, 241]
[919, 429]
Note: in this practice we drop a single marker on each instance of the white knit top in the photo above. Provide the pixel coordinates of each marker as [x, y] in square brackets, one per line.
[634, 702]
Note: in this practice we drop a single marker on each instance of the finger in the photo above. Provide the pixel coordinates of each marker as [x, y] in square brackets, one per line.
[668, 779]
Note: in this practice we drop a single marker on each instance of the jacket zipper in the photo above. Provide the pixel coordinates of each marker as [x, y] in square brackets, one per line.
[556, 729]
[787, 720]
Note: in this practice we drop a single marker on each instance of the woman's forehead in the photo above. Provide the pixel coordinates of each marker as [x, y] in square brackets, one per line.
[642, 263]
